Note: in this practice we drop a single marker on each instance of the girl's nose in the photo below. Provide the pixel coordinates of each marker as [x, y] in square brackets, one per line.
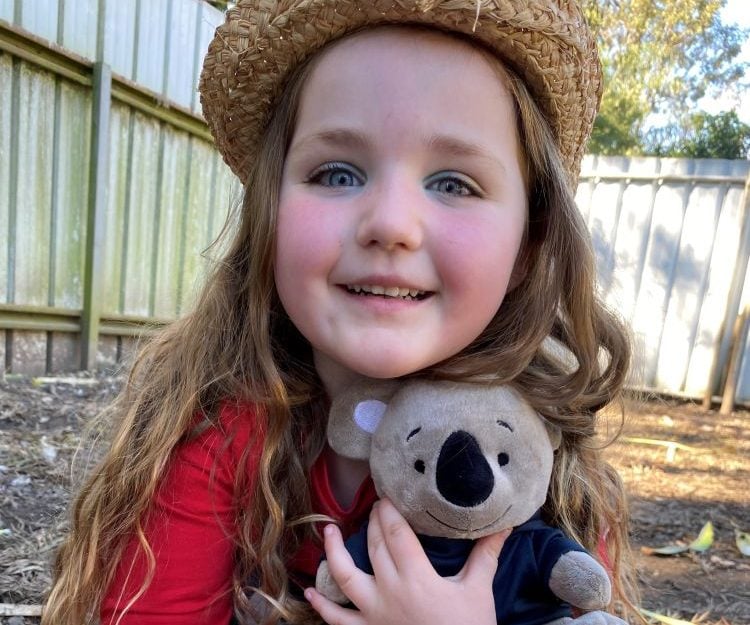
[392, 218]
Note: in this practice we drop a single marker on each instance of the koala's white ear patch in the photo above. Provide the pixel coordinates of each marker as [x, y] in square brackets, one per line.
[368, 413]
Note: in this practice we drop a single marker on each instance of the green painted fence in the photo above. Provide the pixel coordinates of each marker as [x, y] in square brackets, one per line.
[110, 189]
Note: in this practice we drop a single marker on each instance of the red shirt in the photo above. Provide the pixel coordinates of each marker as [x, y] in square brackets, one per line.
[191, 529]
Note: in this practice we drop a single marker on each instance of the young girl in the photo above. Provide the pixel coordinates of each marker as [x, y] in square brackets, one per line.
[409, 170]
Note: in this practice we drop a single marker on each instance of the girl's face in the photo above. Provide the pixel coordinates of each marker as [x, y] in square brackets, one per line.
[402, 204]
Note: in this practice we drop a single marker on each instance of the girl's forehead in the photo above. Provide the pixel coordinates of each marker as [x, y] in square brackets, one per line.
[404, 77]
[434, 51]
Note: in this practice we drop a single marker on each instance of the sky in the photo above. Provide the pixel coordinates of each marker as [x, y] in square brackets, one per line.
[735, 11]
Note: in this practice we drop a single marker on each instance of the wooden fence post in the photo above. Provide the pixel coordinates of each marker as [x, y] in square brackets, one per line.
[95, 223]
[732, 309]
[739, 338]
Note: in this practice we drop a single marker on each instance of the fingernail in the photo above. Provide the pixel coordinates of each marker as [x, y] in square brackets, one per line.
[308, 594]
[328, 530]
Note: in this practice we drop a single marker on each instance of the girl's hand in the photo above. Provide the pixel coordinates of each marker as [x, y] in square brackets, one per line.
[405, 589]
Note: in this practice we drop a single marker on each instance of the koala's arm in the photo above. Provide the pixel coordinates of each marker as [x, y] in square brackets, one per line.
[580, 580]
[571, 573]
[356, 545]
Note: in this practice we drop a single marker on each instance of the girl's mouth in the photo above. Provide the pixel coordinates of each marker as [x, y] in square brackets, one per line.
[403, 293]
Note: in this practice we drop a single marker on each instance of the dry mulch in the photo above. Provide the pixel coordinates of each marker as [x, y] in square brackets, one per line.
[671, 497]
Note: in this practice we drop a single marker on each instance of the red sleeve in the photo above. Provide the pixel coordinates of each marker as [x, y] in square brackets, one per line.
[191, 531]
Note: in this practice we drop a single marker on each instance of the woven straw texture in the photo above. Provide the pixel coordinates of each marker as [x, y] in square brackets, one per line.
[546, 42]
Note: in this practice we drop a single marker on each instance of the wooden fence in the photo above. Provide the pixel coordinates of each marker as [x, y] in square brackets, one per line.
[110, 189]
[672, 238]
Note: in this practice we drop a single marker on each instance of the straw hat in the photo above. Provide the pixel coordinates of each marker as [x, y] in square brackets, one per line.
[546, 42]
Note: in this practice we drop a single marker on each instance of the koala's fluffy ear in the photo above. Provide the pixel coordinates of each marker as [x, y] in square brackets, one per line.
[355, 415]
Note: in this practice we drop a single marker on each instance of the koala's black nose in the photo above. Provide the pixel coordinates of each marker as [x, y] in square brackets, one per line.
[464, 477]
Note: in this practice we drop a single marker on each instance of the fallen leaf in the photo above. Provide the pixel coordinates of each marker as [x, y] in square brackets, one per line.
[666, 550]
[705, 539]
[743, 542]
[699, 545]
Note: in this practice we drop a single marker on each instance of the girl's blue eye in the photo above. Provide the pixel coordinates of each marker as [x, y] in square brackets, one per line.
[453, 185]
[336, 175]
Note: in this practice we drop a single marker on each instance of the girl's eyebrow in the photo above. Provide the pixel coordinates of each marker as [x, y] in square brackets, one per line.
[454, 146]
[336, 137]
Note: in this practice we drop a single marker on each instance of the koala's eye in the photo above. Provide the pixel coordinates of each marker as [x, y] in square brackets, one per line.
[503, 459]
[419, 466]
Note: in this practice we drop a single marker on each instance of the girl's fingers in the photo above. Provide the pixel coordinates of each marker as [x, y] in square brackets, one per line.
[483, 559]
[380, 557]
[402, 543]
[355, 583]
[332, 613]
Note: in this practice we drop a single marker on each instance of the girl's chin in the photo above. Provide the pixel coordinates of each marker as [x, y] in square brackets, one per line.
[390, 367]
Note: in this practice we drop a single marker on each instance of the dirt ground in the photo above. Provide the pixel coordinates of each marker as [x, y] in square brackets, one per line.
[671, 496]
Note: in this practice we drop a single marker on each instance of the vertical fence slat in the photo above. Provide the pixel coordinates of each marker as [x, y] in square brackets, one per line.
[95, 223]
[7, 154]
[180, 85]
[73, 193]
[41, 18]
[198, 207]
[80, 22]
[32, 235]
[172, 199]
[54, 183]
[7, 12]
[630, 247]
[690, 275]
[739, 295]
[119, 122]
[694, 338]
[118, 37]
[141, 204]
[602, 225]
[12, 191]
[158, 209]
[152, 28]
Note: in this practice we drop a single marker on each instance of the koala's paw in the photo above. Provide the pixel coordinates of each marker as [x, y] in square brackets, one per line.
[597, 617]
[581, 581]
[327, 586]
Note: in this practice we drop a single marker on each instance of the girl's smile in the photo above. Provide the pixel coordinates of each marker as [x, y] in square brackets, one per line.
[402, 204]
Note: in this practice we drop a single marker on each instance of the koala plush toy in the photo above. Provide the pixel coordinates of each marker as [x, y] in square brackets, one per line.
[461, 461]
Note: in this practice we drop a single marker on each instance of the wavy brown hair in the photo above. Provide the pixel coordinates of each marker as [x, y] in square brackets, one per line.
[238, 343]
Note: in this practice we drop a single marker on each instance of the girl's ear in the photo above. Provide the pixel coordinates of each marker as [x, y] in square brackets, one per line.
[355, 415]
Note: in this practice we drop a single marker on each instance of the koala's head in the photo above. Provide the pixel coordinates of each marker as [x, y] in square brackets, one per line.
[459, 460]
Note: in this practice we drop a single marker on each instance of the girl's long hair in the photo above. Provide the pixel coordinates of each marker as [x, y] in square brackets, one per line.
[238, 343]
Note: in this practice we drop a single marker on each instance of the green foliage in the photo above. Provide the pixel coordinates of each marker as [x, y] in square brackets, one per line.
[659, 58]
[706, 136]
[222, 5]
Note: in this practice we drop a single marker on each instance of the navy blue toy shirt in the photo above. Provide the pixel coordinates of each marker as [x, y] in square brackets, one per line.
[521, 584]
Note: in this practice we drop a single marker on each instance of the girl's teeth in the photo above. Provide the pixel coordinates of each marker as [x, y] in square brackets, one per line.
[391, 291]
